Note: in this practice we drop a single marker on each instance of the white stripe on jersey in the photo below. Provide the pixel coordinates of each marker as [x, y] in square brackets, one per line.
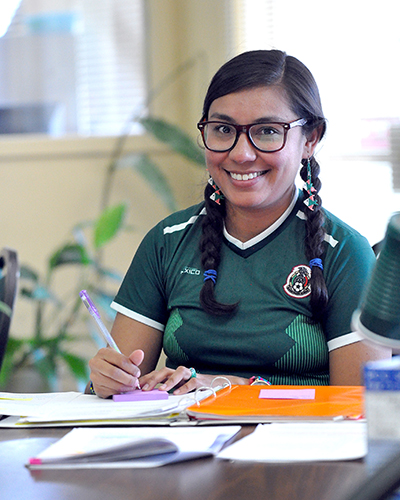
[328, 238]
[349, 338]
[138, 317]
[183, 225]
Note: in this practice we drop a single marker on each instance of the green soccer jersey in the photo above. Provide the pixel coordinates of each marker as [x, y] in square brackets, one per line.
[271, 334]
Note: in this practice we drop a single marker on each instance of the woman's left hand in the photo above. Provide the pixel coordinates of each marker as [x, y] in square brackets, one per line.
[182, 379]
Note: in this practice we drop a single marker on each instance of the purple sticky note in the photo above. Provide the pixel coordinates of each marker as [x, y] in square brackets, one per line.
[287, 394]
[139, 395]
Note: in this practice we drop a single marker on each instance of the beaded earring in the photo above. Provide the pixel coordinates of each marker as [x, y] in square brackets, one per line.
[310, 201]
[217, 195]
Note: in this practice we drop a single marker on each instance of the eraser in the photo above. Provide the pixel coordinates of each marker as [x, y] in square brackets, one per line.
[139, 395]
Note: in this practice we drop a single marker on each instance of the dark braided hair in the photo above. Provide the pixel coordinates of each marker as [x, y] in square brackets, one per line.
[210, 245]
[251, 70]
[315, 235]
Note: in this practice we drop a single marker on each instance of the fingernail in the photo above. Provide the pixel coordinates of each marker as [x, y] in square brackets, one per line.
[163, 387]
[145, 387]
[127, 388]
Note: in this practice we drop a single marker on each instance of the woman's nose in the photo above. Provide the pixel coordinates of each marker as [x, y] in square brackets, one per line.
[243, 151]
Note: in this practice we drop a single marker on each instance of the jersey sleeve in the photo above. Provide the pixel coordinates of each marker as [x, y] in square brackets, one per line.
[142, 293]
[347, 270]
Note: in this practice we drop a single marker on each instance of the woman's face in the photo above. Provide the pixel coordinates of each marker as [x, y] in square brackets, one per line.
[273, 186]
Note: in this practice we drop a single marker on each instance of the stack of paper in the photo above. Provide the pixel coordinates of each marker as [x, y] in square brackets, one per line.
[74, 408]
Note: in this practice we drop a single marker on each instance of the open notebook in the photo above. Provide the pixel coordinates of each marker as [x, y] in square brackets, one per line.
[120, 447]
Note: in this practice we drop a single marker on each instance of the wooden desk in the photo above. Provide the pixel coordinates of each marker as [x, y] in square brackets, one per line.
[203, 479]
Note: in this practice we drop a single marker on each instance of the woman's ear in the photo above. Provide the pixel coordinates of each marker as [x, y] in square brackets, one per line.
[312, 140]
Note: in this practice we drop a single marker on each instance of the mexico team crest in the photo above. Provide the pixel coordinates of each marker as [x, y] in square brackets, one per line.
[298, 282]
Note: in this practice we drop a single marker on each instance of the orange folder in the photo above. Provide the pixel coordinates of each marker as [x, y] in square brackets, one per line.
[242, 403]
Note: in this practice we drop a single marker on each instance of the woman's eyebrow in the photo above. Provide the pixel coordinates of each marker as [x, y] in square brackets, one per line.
[222, 117]
[229, 119]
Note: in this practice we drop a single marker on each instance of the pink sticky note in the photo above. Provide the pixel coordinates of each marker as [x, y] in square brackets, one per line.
[287, 394]
[141, 395]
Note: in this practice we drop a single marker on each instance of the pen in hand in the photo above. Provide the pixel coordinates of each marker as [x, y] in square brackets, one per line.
[96, 316]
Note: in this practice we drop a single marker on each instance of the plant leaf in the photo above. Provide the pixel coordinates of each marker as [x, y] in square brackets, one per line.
[42, 293]
[71, 253]
[14, 344]
[176, 138]
[152, 174]
[38, 293]
[46, 366]
[27, 273]
[6, 370]
[31, 288]
[8, 366]
[5, 308]
[77, 365]
[108, 224]
[109, 273]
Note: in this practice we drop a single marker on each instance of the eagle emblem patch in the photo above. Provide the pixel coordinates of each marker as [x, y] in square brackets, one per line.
[298, 282]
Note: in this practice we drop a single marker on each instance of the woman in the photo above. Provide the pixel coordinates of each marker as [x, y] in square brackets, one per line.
[258, 280]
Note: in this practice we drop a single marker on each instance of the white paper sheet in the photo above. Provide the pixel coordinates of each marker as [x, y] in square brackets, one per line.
[34, 404]
[300, 442]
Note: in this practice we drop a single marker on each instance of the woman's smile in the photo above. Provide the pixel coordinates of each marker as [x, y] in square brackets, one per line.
[246, 176]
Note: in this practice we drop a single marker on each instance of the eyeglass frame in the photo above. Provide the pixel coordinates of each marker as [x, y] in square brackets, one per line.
[300, 122]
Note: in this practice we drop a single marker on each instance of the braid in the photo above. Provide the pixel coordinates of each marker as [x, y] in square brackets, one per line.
[210, 247]
[314, 242]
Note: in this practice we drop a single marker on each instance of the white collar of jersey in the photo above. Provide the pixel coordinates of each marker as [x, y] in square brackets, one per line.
[266, 232]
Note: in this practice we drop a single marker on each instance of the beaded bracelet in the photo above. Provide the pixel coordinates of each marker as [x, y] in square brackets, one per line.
[257, 380]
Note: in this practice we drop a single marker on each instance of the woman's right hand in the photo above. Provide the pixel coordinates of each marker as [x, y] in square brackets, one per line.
[113, 373]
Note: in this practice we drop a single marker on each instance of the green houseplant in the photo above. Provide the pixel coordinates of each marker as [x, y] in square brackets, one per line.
[57, 321]
[55, 318]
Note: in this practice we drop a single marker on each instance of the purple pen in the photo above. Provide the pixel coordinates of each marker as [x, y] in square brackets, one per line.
[103, 330]
[95, 314]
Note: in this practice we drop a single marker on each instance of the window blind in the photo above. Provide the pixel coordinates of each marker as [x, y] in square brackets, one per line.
[84, 60]
[111, 80]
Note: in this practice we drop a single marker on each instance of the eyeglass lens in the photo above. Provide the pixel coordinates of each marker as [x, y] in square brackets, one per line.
[265, 136]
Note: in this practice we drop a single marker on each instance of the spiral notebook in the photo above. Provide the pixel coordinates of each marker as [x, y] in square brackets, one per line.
[246, 403]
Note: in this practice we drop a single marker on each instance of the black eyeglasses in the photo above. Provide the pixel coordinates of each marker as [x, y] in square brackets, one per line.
[267, 137]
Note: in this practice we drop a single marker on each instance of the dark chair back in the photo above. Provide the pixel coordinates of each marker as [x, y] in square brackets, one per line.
[9, 274]
[377, 248]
